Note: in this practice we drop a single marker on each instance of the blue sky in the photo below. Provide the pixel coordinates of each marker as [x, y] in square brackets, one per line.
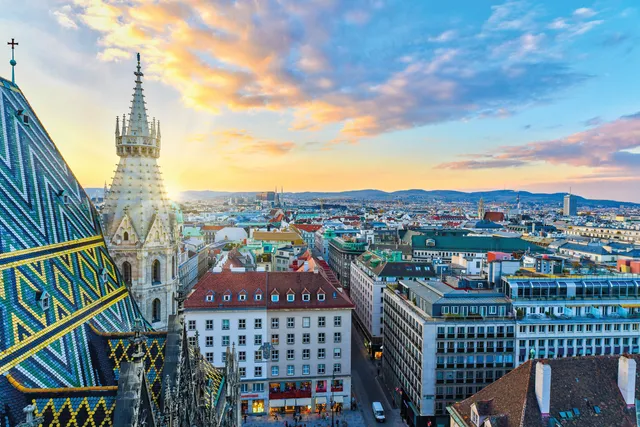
[331, 95]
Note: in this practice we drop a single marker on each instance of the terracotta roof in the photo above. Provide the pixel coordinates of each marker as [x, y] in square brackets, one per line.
[212, 227]
[494, 216]
[576, 382]
[217, 284]
[278, 236]
[309, 228]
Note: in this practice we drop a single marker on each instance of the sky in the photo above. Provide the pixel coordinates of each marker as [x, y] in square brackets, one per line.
[332, 95]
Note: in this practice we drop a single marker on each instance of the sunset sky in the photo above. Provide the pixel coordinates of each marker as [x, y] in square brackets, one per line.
[338, 95]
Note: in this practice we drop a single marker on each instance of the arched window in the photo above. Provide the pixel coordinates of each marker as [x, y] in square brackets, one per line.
[155, 272]
[173, 267]
[126, 272]
[126, 236]
[155, 310]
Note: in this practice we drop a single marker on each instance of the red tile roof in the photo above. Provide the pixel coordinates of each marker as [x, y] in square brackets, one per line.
[213, 227]
[309, 228]
[494, 216]
[217, 284]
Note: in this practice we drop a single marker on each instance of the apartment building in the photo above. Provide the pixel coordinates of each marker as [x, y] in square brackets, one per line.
[341, 253]
[575, 316]
[370, 274]
[291, 331]
[442, 345]
[630, 235]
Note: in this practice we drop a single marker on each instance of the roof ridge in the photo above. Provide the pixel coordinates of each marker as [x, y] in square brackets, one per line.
[524, 406]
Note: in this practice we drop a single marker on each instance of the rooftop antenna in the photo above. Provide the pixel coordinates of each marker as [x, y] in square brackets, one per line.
[13, 62]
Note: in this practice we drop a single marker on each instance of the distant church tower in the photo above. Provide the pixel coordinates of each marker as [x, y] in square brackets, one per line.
[481, 210]
[140, 224]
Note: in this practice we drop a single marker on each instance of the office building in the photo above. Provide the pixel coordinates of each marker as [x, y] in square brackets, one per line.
[570, 207]
[341, 253]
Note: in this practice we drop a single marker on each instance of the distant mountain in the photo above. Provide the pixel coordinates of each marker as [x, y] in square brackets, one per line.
[496, 196]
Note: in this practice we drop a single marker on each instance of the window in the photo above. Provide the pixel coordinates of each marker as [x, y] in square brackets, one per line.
[258, 297]
[275, 371]
[258, 387]
[257, 355]
[337, 368]
[192, 325]
[306, 338]
[257, 340]
[306, 353]
[291, 322]
[275, 323]
[291, 370]
[321, 369]
[192, 340]
[306, 322]
[257, 371]
[320, 337]
[242, 340]
[291, 339]
[155, 310]
[242, 356]
[242, 323]
[242, 297]
[445, 309]
[492, 309]
[257, 324]
[321, 322]
[224, 357]
[209, 357]
[155, 272]
[275, 355]
[226, 297]
[337, 321]
[244, 388]
[243, 372]
[209, 325]
[126, 272]
[306, 370]
[225, 324]
[337, 337]
[321, 353]
[225, 340]
[291, 354]
[291, 297]
[320, 297]
[208, 341]
[306, 297]
[275, 298]
[208, 298]
[337, 353]
[275, 339]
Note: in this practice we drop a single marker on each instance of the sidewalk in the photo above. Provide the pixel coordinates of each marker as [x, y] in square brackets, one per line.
[353, 419]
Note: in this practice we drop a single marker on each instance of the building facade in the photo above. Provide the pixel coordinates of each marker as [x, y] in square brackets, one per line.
[140, 224]
[570, 207]
[292, 332]
[341, 254]
[443, 345]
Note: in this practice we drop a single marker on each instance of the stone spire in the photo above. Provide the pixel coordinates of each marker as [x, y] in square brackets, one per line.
[117, 126]
[138, 123]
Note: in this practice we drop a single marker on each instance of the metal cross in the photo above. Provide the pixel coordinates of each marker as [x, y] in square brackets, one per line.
[13, 62]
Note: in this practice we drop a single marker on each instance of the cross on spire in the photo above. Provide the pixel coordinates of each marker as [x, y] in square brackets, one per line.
[13, 62]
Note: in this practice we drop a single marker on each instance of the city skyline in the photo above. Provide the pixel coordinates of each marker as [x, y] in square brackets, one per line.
[387, 95]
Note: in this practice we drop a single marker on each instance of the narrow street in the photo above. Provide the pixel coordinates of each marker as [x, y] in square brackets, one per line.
[367, 386]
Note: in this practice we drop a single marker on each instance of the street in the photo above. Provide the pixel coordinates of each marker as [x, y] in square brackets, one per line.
[366, 385]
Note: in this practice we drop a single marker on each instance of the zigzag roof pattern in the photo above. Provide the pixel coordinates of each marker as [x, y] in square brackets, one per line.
[62, 300]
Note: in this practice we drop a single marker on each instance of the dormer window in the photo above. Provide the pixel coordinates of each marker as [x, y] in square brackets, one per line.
[306, 297]
[209, 298]
[320, 297]
[226, 297]
[258, 297]
[242, 296]
[43, 300]
[275, 298]
[23, 117]
[291, 297]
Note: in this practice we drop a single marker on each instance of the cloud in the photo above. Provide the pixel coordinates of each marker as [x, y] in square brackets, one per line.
[62, 16]
[584, 12]
[606, 146]
[346, 64]
[593, 121]
[241, 141]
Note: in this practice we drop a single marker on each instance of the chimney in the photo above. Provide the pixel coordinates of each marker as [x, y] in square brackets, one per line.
[627, 379]
[543, 388]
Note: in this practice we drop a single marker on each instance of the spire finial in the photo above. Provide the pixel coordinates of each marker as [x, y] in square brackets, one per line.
[13, 62]
[117, 126]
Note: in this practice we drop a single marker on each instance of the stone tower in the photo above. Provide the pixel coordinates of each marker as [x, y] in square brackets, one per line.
[140, 223]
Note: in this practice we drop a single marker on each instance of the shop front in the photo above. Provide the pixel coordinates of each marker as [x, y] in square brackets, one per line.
[293, 397]
[252, 404]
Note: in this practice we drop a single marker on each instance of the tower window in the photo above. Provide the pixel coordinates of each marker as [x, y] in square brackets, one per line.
[126, 236]
[126, 272]
[155, 272]
[155, 310]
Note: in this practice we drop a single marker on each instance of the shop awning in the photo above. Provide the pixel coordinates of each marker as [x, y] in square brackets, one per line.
[276, 403]
[321, 400]
[303, 402]
[338, 399]
[290, 402]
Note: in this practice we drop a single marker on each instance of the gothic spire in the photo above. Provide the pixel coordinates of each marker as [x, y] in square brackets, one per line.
[117, 126]
[138, 123]
[124, 126]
